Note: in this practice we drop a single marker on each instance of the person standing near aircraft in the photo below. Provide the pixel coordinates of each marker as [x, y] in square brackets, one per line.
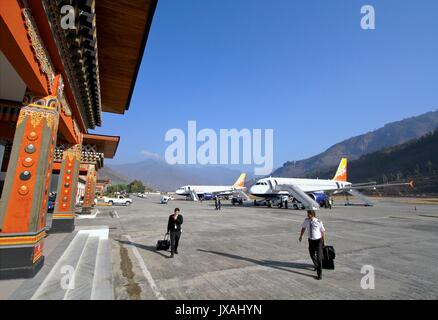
[216, 207]
[174, 228]
[219, 204]
[316, 240]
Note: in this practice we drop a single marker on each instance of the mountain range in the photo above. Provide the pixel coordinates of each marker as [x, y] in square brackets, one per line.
[157, 174]
[391, 134]
[416, 160]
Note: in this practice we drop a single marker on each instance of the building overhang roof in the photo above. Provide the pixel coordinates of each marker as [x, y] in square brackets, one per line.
[122, 31]
[104, 144]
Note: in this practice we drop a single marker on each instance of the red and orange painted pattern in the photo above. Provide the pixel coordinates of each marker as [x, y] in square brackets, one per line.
[20, 201]
[90, 187]
[38, 251]
[22, 240]
[63, 216]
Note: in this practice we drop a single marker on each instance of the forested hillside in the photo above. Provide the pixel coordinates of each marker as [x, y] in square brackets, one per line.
[415, 160]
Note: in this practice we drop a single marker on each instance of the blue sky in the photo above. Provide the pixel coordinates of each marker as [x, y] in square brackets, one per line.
[303, 68]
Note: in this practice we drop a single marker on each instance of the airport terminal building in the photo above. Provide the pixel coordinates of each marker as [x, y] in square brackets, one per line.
[62, 63]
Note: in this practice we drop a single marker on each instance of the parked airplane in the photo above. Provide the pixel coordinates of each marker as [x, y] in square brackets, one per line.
[310, 192]
[209, 192]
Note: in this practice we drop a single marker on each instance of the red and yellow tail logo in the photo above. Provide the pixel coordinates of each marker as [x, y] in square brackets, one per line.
[341, 174]
[240, 183]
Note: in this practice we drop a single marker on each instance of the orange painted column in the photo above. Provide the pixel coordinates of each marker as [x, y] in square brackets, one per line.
[90, 189]
[63, 219]
[23, 205]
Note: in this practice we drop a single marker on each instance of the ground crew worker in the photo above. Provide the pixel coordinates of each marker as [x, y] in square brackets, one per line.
[316, 240]
[174, 228]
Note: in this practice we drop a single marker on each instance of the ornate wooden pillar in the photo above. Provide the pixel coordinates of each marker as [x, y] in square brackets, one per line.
[90, 189]
[64, 214]
[23, 205]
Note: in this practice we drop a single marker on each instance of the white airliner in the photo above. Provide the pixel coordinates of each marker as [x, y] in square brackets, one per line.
[310, 191]
[208, 192]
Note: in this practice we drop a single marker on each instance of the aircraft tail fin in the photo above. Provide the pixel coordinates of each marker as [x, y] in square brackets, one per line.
[341, 173]
[240, 182]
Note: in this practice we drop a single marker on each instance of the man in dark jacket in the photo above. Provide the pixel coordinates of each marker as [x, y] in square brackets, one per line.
[174, 228]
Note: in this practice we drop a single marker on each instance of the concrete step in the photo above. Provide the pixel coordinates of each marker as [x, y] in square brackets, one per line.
[84, 274]
[54, 247]
[53, 287]
[103, 279]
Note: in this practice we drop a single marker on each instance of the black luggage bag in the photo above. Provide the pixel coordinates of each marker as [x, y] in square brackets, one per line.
[164, 244]
[329, 254]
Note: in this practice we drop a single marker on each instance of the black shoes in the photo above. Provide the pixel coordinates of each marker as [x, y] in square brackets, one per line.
[176, 251]
[319, 278]
[172, 254]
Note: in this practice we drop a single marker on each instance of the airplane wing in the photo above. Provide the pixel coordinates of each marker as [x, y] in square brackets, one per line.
[242, 194]
[298, 194]
[221, 193]
[373, 186]
[353, 189]
[361, 196]
[227, 192]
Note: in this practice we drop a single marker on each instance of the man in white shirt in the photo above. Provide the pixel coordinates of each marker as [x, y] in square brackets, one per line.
[316, 240]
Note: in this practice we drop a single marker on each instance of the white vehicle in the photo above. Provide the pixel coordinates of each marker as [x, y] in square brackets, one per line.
[209, 192]
[81, 201]
[141, 195]
[120, 200]
[166, 199]
[311, 192]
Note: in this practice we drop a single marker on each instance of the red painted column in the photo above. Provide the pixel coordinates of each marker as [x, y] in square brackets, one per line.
[23, 205]
[64, 214]
[90, 189]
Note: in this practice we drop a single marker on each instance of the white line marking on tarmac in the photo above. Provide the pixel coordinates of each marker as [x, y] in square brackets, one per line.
[116, 214]
[145, 270]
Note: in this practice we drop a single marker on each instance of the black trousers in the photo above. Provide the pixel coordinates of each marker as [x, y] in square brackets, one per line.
[174, 240]
[315, 250]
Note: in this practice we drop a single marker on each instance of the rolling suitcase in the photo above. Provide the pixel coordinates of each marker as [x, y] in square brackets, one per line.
[164, 244]
[328, 260]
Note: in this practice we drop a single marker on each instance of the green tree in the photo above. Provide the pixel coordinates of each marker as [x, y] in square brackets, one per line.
[116, 188]
[136, 186]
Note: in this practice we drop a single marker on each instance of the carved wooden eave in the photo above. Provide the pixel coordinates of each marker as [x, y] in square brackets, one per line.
[88, 155]
[95, 148]
[78, 50]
